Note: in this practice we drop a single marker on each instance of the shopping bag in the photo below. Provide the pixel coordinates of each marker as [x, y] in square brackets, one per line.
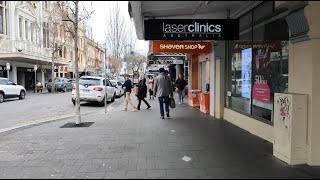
[177, 90]
[135, 90]
[172, 103]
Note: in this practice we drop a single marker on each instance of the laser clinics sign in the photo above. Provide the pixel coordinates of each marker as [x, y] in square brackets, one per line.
[191, 29]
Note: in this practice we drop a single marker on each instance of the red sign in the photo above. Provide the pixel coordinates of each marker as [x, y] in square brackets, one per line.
[261, 92]
[181, 47]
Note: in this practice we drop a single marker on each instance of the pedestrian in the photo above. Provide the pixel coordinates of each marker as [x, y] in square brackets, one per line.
[180, 87]
[150, 87]
[142, 91]
[128, 86]
[162, 89]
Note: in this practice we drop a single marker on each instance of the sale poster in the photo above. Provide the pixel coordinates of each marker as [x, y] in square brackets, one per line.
[246, 59]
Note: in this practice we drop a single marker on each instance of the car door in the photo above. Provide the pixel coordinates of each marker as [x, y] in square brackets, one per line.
[11, 88]
[4, 86]
[120, 87]
[110, 90]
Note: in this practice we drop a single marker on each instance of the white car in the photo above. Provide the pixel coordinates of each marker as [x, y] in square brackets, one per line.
[118, 87]
[8, 89]
[92, 89]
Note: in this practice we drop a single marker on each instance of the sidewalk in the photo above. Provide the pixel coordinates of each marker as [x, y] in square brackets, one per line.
[141, 145]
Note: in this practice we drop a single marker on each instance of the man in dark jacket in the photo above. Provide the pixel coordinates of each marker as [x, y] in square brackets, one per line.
[142, 91]
[128, 86]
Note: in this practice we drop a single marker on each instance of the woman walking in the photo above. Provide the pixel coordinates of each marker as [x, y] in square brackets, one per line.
[142, 91]
[150, 87]
[180, 87]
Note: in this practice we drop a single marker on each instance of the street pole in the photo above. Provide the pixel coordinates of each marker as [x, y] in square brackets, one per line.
[8, 73]
[105, 76]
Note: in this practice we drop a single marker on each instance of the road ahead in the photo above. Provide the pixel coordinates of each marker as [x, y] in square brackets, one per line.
[35, 107]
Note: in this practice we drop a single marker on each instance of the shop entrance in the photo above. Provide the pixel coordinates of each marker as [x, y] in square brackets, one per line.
[26, 77]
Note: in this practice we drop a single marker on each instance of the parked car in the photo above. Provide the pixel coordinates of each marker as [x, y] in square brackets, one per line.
[72, 81]
[60, 84]
[121, 79]
[8, 89]
[92, 89]
[118, 87]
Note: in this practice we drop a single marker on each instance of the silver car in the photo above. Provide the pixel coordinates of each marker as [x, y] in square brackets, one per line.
[60, 84]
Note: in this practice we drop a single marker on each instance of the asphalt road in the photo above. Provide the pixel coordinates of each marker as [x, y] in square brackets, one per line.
[38, 107]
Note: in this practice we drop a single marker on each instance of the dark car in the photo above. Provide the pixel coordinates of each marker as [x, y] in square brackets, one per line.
[60, 84]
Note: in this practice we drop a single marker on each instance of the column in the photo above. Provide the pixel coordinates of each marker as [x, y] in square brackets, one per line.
[18, 28]
[212, 81]
[23, 29]
[29, 32]
[58, 71]
[12, 25]
[14, 74]
[42, 77]
[304, 68]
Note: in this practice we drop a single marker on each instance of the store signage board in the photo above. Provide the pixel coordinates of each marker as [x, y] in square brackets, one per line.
[195, 47]
[191, 29]
[246, 58]
[166, 62]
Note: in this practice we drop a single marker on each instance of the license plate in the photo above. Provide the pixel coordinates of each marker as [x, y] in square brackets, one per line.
[86, 91]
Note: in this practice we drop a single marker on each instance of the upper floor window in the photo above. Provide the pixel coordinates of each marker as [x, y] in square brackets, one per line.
[4, 18]
[45, 34]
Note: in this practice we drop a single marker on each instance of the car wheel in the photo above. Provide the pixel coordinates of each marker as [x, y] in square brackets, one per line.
[113, 98]
[74, 102]
[102, 102]
[1, 97]
[65, 89]
[22, 95]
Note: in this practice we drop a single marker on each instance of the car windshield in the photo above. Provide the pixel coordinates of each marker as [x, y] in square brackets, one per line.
[89, 82]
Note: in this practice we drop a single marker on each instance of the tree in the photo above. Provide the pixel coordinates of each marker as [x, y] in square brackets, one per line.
[73, 19]
[120, 34]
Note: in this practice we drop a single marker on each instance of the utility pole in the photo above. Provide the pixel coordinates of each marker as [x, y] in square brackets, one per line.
[78, 115]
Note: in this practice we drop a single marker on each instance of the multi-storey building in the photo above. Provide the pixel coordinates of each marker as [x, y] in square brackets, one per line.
[33, 33]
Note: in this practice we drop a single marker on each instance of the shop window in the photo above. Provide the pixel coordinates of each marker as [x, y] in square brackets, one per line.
[270, 67]
[258, 68]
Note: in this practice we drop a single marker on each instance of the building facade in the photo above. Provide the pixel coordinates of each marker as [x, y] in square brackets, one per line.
[275, 54]
[33, 33]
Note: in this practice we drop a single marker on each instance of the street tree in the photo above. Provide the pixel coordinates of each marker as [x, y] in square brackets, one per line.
[120, 36]
[74, 16]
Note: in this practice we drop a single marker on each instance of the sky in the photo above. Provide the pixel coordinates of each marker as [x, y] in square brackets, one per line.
[98, 21]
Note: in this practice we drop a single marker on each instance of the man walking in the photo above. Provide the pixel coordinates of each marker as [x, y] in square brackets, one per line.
[128, 86]
[162, 89]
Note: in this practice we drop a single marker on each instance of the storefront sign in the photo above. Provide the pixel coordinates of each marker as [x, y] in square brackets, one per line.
[271, 45]
[191, 29]
[261, 90]
[181, 47]
[246, 72]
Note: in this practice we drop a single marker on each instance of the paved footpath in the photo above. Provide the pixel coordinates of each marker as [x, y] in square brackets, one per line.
[141, 145]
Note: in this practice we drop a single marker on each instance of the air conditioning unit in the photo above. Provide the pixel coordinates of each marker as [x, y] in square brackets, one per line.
[290, 128]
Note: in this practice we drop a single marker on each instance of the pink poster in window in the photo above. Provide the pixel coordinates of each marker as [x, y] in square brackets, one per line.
[261, 90]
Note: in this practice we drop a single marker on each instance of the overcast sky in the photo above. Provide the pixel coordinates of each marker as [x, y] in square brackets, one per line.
[98, 21]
